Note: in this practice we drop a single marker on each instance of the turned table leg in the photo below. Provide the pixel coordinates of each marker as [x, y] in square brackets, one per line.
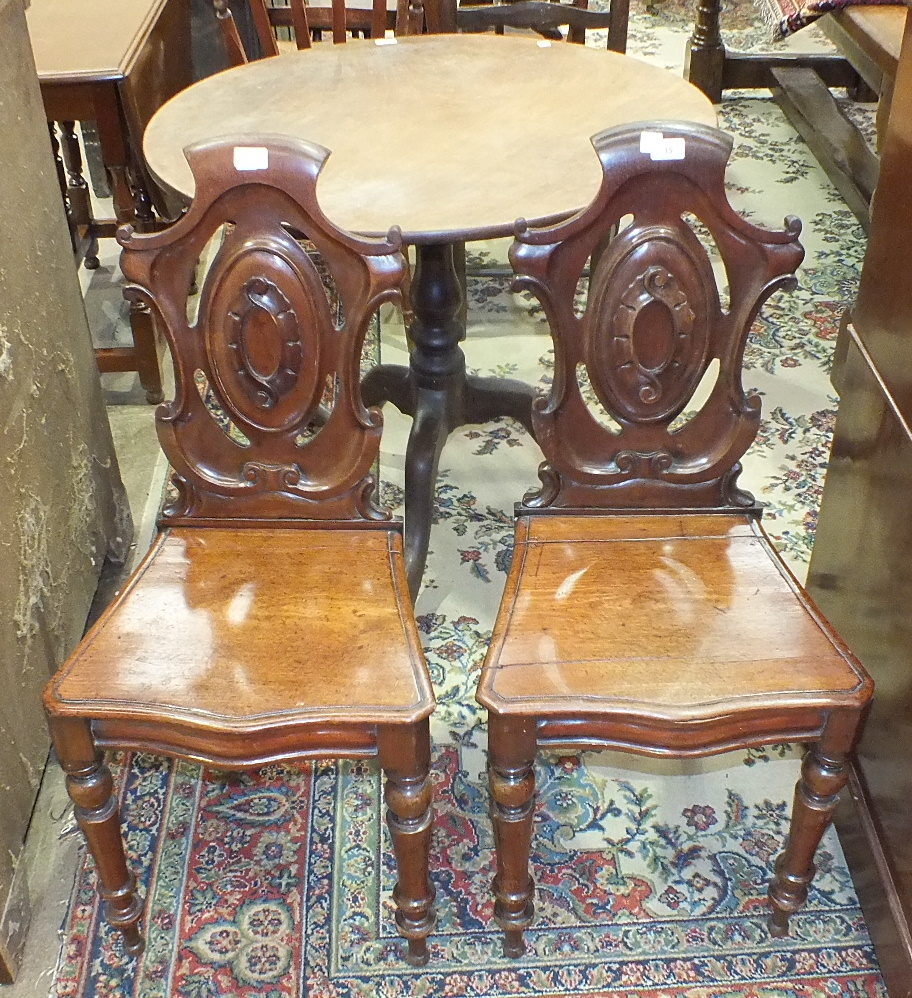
[704, 59]
[436, 391]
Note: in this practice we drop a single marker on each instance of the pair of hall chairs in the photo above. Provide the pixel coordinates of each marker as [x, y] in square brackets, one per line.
[645, 608]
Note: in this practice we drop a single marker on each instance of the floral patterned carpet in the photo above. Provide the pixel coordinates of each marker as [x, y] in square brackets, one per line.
[651, 875]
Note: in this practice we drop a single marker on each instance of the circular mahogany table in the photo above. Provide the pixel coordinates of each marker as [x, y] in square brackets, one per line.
[452, 138]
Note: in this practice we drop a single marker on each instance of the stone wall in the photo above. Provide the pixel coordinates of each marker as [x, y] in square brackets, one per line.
[62, 505]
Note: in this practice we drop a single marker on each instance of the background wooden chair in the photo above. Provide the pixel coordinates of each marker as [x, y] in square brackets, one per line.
[545, 17]
[306, 21]
[645, 608]
[238, 641]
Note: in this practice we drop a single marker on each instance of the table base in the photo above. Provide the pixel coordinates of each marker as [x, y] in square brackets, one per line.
[437, 393]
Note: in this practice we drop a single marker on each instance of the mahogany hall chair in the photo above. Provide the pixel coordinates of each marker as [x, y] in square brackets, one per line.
[306, 21]
[646, 610]
[271, 620]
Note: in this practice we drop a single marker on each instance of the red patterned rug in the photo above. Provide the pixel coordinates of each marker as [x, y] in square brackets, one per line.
[277, 885]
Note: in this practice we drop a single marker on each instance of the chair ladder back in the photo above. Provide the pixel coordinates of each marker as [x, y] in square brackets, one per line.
[378, 20]
[410, 18]
[617, 429]
[300, 24]
[439, 16]
[267, 420]
[544, 16]
[617, 30]
[346, 19]
[343, 20]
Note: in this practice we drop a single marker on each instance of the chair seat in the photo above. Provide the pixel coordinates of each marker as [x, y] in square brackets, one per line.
[671, 617]
[242, 628]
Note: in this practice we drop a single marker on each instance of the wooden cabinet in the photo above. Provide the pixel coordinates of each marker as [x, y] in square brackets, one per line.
[861, 570]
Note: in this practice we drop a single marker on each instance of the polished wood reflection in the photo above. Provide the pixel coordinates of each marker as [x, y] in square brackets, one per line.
[682, 617]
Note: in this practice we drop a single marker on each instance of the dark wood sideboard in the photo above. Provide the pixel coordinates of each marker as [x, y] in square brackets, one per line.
[861, 569]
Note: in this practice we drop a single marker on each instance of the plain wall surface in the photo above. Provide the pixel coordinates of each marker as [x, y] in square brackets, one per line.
[62, 505]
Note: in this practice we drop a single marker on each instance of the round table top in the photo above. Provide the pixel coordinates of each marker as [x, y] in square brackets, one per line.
[449, 137]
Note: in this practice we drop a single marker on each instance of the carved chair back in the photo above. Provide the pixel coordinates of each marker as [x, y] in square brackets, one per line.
[267, 420]
[306, 21]
[653, 327]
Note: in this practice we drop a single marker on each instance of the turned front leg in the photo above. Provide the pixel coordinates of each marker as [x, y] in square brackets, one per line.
[91, 789]
[823, 775]
[511, 779]
[405, 754]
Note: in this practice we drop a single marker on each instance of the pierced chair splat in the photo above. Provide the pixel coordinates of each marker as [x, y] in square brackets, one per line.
[646, 610]
[237, 641]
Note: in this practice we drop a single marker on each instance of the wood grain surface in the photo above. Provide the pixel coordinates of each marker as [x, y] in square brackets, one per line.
[674, 616]
[231, 626]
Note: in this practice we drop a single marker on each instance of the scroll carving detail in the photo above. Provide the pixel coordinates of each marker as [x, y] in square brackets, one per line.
[653, 327]
[247, 433]
[253, 340]
[649, 325]
[263, 338]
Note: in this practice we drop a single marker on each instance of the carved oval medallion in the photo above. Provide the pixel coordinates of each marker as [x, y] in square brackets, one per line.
[652, 305]
[262, 339]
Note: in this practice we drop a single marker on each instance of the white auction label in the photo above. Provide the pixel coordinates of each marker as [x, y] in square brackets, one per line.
[661, 147]
[251, 158]
[668, 148]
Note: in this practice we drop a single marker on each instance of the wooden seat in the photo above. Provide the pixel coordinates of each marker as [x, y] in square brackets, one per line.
[201, 634]
[696, 579]
[645, 608]
[238, 640]
[304, 21]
